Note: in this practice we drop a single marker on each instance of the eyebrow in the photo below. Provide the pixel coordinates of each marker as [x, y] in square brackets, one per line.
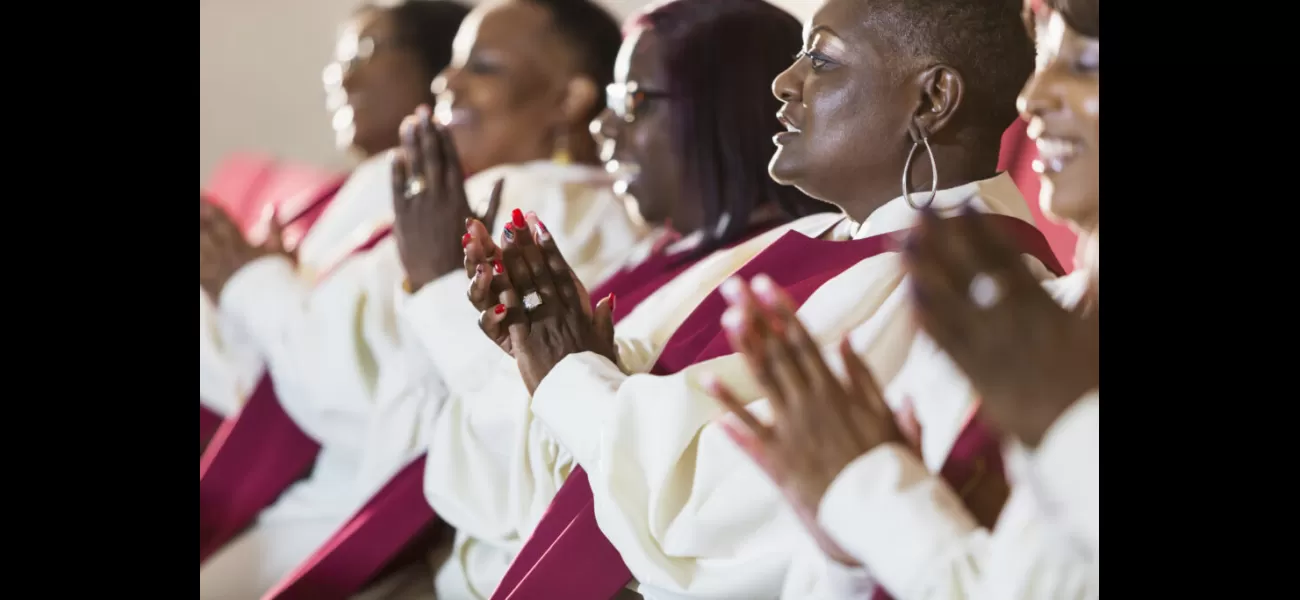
[808, 35]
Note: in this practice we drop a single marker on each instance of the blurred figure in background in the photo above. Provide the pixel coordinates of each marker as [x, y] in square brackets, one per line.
[513, 108]
[384, 60]
[514, 103]
[321, 319]
[1048, 404]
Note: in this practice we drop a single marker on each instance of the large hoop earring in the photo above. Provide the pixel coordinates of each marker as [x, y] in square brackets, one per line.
[934, 174]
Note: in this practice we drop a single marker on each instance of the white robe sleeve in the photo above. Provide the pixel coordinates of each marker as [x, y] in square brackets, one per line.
[1064, 471]
[318, 343]
[228, 365]
[918, 541]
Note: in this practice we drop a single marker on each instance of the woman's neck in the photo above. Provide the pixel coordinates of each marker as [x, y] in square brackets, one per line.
[957, 166]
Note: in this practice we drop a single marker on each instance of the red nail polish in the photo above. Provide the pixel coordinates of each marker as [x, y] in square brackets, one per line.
[499, 309]
[497, 267]
[517, 217]
[612, 299]
[464, 240]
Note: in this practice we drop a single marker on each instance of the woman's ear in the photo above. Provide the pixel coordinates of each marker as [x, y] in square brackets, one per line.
[942, 90]
[580, 98]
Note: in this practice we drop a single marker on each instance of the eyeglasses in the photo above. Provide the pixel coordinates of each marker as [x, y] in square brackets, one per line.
[625, 99]
[350, 54]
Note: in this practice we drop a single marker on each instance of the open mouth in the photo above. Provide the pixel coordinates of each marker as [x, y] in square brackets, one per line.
[791, 129]
[1055, 154]
[447, 116]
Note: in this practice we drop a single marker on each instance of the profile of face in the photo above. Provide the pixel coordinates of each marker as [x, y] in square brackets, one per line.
[634, 131]
[506, 95]
[372, 84]
[1060, 102]
[848, 107]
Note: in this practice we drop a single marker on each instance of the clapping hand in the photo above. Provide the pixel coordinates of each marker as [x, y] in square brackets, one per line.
[1028, 358]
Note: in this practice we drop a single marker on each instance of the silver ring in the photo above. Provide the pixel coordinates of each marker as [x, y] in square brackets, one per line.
[531, 301]
[985, 291]
[414, 186]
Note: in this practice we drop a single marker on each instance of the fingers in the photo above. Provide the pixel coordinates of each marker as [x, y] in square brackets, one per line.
[781, 310]
[751, 425]
[744, 326]
[495, 322]
[453, 174]
[862, 383]
[942, 306]
[480, 250]
[494, 201]
[412, 154]
[400, 173]
[517, 320]
[567, 284]
[602, 318]
[217, 228]
[432, 166]
[909, 427]
[485, 287]
[517, 232]
[274, 232]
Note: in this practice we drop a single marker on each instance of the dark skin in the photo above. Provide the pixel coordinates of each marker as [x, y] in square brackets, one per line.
[512, 88]
[223, 249]
[647, 141]
[380, 89]
[854, 108]
[1028, 358]
[429, 225]
[858, 106]
[541, 338]
[820, 423]
[513, 92]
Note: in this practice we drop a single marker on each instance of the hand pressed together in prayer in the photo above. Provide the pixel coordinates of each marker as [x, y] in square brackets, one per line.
[1027, 357]
[223, 249]
[819, 425]
[429, 203]
[544, 313]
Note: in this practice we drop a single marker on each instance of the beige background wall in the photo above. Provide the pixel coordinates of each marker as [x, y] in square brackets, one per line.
[260, 63]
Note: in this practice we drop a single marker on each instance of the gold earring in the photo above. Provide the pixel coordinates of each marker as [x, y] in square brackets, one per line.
[560, 155]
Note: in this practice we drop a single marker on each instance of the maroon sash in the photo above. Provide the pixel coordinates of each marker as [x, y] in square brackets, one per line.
[298, 214]
[209, 421]
[574, 560]
[398, 512]
[633, 284]
[252, 459]
[371, 539]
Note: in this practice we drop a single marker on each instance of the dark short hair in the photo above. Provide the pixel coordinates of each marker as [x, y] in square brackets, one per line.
[1080, 15]
[720, 57]
[983, 39]
[427, 28]
[594, 36]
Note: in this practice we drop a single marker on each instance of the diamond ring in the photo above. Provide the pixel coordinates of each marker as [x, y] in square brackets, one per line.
[985, 291]
[414, 187]
[531, 301]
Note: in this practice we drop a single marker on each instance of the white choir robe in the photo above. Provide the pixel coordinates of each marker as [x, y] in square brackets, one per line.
[352, 374]
[229, 364]
[482, 473]
[345, 375]
[894, 514]
[690, 515]
[1063, 472]
[589, 223]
